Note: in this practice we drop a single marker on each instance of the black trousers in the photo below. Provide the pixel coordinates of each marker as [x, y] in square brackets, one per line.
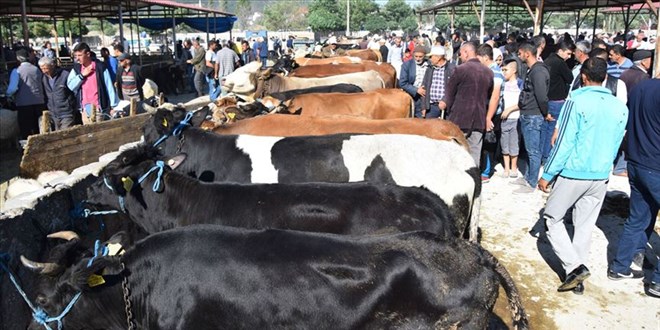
[28, 119]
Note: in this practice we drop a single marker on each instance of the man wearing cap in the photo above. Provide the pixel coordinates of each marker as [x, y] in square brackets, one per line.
[466, 99]
[25, 84]
[129, 79]
[639, 71]
[435, 82]
[412, 77]
[90, 79]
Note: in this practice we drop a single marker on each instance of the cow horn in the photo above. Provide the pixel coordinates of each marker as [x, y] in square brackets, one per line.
[43, 267]
[66, 235]
[148, 108]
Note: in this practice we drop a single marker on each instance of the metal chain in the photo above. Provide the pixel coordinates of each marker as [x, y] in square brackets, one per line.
[127, 300]
[179, 144]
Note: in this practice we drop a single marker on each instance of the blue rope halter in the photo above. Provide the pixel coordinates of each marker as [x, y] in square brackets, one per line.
[177, 130]
[39, 315]
[160, 166]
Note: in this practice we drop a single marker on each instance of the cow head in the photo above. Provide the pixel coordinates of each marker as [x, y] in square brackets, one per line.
[166, 121]
[243, 80]
[66, 273]
[286, 107]
[285, 65]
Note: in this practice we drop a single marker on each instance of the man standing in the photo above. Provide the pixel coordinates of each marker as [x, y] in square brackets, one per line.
[582, 50]
[412, 77]
[593, 123]
[495, 107]
[533, 106]
[209, 68]
[644, 175]
[466, 98]
[25, 84]
[435, 83]
[60, 100]
[262, 51]
[395, 56]
[90, 79]
[247, 55]
[620, 62]
[187, 55]
[639, 72]
[225, 61]
[129, 80]
[560, 79]
[199, 65]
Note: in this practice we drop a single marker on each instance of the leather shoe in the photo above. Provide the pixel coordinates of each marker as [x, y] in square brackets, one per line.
[577, 276]
[653, 290]
[579, 289]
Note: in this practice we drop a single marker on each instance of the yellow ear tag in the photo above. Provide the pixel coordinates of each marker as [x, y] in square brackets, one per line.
[231, 115]
[164, 122]
[128, 183]
[115, 249]
[95, 280]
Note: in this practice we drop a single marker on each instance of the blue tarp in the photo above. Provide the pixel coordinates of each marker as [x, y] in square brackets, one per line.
[215, 25]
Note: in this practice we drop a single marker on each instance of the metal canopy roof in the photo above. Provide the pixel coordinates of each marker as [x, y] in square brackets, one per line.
[548, 5]
[100, 8]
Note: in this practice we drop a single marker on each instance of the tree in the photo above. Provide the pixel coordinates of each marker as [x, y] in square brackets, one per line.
[324, 16]
[396, 12]
[244, 13]
[375, 23]
[73, 26]
[40, 29]
[360, 11]
[280, 16]
[95, 25]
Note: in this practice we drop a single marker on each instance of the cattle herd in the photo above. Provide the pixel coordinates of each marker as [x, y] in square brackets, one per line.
[305, 199]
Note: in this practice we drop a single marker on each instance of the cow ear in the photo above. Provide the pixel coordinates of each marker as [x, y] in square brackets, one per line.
[118, 243]
[164, 121]
[199, 116]
[84, 276]
[175, 161]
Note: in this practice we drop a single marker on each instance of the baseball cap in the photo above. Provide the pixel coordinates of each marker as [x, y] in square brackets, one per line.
[437, 50]
[641, 54]
[122, 57]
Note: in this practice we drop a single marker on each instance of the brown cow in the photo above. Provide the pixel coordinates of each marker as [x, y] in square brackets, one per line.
[365, 54]
[286, 125]
[376, 104]
[385, 70]
[331, 60]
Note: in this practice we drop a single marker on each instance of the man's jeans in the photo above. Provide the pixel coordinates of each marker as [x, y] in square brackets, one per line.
[199, 83]
[644, 205]
[211, 83]
[530, 126]
[548, 127]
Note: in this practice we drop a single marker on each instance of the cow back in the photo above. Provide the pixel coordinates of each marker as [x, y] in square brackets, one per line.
[385, 70]
[376, 104]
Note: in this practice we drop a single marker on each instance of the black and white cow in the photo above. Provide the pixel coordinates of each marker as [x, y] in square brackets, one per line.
[443, 167]
[215, 277]
[354, 208]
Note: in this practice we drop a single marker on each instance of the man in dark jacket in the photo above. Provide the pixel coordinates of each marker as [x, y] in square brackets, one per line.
[560, 80]
[90, 80]
[435, 82]
[25, 86]
[639, 71]
[60, 100]
[411, 79]
[467, 94]
[129, 79]
[533, 105]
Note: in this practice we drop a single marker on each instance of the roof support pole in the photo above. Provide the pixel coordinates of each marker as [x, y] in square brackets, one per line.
[453, 17]
[481, 21]
[26, 33]
[207, 29]
[215, 27]
[57, 43]
[121, 25]
[11, 34]
[130, 26]
[653, 10]
[593, 34]
[102, 32]
[577, 24]
[506, 27]
[137, 18]
[2, 42]
[174, 34]
[348, 18]
[80, 34]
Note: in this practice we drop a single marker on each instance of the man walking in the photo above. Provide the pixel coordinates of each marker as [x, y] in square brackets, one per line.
[467, 94]
[395, 56]
[592, 126]
[90, 79]
[485, 56]
[199, 65]
[60, 100]
[560, 79]
[25, 84]
[533, 106]
[412, 76]
[644, 175]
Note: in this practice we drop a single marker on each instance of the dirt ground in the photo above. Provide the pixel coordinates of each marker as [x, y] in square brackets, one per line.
[506, 220]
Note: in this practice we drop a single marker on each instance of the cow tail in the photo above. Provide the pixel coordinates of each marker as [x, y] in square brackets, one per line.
[412, 106]
[518, 314]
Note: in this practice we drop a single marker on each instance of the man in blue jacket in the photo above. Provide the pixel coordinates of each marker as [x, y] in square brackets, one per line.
[643, 156]
[411, 79]
[591, 126]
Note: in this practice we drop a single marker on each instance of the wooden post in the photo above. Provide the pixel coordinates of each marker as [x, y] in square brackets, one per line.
[133, 108]
[653, 10]
[26, 33]
[93, 117]
[44, 126]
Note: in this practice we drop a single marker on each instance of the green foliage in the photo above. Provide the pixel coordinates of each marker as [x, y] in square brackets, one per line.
[95, 25]
[280, 16]
[324, 16]
[73, 26]
[375, 23]
[409, 24]
[360, 11]
[396, 12]
[243, 12]
[40, 29]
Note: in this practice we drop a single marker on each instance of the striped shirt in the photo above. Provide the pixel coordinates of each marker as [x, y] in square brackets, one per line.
[616, 69]
[128, 85]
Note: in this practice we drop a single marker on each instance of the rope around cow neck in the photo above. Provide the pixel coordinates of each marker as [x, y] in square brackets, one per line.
[177, 130]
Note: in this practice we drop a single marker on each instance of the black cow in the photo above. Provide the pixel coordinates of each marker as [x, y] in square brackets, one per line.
[285, 65]
[214, 277]
[443, 167]
[347, 208]
[338, 88]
